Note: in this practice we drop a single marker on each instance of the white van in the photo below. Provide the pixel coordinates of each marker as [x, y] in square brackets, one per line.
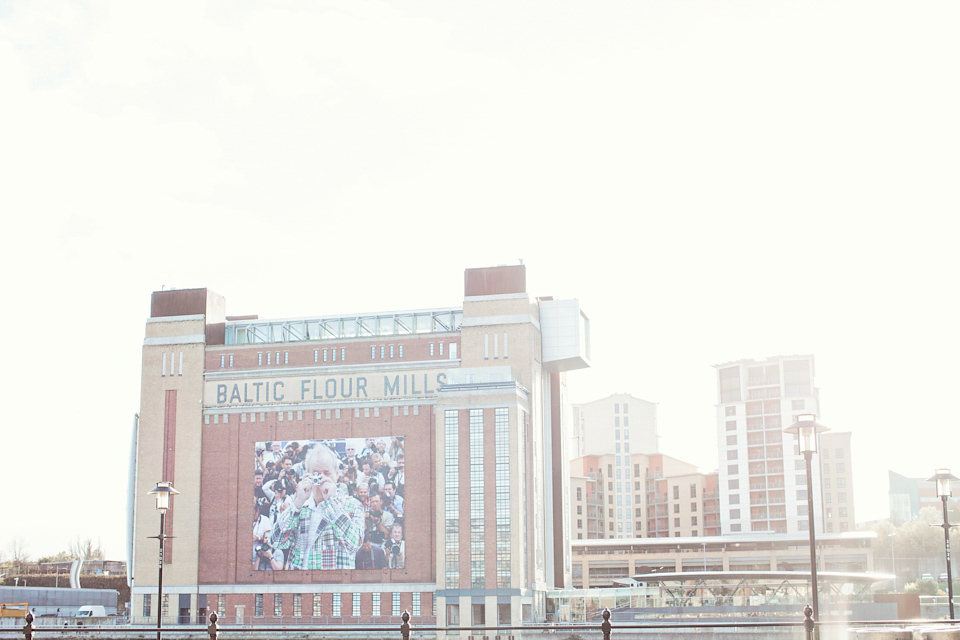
[91, 611]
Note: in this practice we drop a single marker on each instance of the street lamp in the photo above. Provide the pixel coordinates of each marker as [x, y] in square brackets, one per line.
[806, 429]
[162, 493]
[943, 478]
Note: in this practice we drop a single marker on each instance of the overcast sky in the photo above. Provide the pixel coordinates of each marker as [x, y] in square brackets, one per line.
[713, 180]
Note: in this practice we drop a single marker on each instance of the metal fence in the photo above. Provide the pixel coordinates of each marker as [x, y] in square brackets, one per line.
[802, 627]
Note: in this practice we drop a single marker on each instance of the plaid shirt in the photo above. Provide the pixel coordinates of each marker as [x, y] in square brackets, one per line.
[338, 536]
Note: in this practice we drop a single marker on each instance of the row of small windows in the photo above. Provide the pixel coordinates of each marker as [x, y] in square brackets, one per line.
[315, 607]
[176, 364]
[329, 414]
[496, 346]
[331, 355]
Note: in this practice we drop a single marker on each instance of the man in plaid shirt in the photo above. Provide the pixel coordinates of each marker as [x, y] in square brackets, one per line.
[323, 530]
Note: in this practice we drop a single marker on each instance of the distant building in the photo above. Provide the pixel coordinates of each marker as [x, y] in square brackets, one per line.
[836, 476]
[619, 423]
[640, 495]
[763, 484]
[606, 563]
[909, 495]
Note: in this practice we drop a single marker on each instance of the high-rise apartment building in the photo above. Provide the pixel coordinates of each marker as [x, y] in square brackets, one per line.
[762, 475]
[619, 423]
[836, 475]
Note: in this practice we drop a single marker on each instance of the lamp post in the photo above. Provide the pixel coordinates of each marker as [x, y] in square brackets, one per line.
[806, 429]
[943, 478]
[162, 493]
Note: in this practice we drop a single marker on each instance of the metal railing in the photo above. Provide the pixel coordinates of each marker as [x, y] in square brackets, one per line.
[879, 629]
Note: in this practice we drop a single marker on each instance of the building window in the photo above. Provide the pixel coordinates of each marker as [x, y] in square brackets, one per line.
[317, 608]
[841, 483]
[842, 496]
[376, 604]
[676, 508]
[734, 514]
[616, 421]
[277, 605]
[146, 606]
[431, 349]
[356, 606]
[733, 484]
[336, 612]
[396, 603]
[693, 521]
[616, 407]
[258, 605]
[373, 352]
[841, 467]
[477, 567]
[732, 469]
[676, 522]
[732, 454]
[452, 499]
[693, 491]
[297, 605]
[391, 351]
[731, 440]
[400, 351]
[729, 385]
[223, 359]
[416, 603]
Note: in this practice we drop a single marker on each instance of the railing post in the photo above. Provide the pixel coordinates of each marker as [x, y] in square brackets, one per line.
[28, 627]
[213, 628]
[605, 626]
[808, 623]
[405, 625]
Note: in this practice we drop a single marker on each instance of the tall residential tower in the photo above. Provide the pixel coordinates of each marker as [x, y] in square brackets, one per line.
[762, 474]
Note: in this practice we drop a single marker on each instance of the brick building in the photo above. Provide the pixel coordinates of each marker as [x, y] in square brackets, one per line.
[469, 400]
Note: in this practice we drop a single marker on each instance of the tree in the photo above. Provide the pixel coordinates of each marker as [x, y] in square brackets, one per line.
[85, 549]
[18, 552]
[63, 556]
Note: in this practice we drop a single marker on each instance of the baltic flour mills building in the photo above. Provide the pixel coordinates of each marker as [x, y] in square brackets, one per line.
[347, 468]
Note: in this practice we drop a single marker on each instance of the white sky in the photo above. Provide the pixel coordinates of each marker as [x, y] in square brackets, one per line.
[713, 180]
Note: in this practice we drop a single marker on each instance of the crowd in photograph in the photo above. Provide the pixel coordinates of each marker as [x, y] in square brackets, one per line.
[329, 504]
